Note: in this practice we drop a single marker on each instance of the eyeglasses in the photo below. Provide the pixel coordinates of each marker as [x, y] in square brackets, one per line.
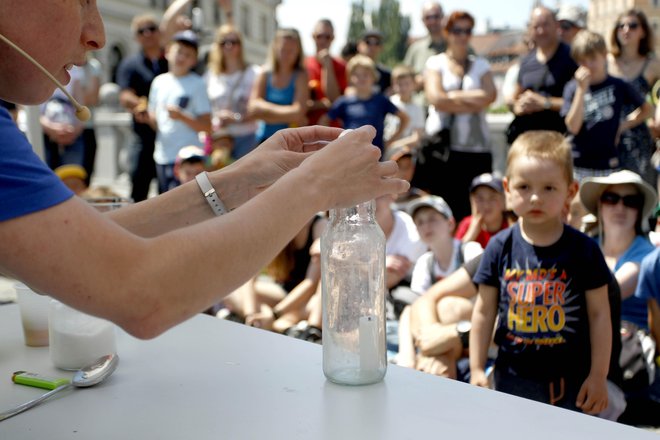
[323, 36]
[151, 29]
[372, 42]
[461, 31]
[635, 201]
[631, 26]
[432, 17]
[566, 25]
[229, 43]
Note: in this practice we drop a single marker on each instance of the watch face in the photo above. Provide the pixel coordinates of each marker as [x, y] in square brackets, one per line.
[463, 326]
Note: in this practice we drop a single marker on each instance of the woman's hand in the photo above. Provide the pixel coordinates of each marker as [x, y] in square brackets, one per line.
[348, 168]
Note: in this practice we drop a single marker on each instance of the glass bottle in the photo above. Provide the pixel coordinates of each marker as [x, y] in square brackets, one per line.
[353, 286]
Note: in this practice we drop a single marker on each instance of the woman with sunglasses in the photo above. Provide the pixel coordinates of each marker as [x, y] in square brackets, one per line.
[632, 58]
[622, 202]
[229, 80]
[459, 88]
[279, 95]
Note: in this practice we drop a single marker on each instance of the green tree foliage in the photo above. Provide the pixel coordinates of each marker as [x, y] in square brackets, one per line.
[395, 27]
[356, 26]
[388, 19]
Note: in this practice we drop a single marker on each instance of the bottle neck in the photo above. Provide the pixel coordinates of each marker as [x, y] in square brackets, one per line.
[360, 213]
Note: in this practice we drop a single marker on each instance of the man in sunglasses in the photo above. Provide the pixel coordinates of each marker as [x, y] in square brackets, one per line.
[327, 75]
[572, 19]
[434, 43]
[134, 76]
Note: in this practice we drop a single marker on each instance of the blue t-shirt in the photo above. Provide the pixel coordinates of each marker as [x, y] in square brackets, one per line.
[280, 96]
[26, 184]
[593, 146]
[543, 327]
[648, 285]
[634, 309]
[355, 112]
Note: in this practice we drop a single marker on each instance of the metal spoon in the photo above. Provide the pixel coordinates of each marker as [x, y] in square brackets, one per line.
[87, 376]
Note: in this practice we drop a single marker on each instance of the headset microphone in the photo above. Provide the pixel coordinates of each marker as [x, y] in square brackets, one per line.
[82, 112]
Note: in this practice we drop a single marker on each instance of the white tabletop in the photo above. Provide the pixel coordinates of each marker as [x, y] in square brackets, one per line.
[213, 379]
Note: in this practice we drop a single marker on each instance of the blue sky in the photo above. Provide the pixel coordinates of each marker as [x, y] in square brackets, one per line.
[303, 14]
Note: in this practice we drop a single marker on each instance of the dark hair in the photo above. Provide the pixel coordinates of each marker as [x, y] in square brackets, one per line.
[645, 44]
[349, 49]
[456, 16]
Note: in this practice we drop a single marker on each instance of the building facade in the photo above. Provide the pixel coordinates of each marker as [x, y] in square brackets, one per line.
[603, 14]
[254, 18]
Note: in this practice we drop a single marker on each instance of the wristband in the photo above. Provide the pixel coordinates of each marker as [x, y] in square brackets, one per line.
[210, 194]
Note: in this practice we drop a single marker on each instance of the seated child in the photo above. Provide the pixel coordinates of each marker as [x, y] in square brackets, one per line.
[405, 158]
[488, 214]
[435, 224]
[190, 161]
[74, 177]
[363, 106]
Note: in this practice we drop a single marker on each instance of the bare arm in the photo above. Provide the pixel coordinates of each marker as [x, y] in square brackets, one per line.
[592, 397]
[483, 320]
[437, 96]
[269, 112]
[575, 116]
[328, 77]
[404, 120]
[637, 117]
[147, 285]
[424, 311]
[654, 321]
[171, 22]
[478, 99]
[627, 276]
[197, 123]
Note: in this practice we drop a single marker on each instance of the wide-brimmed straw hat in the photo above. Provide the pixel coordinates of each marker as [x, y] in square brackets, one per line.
[593, 187]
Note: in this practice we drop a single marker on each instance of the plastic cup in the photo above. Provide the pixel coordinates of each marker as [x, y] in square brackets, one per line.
[34, 315]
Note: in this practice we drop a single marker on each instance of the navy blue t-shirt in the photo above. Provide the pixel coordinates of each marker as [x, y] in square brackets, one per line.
[355, 112]
[543, 328]
[137, 72]
[547, 79]
[26, 183]
[594, 146]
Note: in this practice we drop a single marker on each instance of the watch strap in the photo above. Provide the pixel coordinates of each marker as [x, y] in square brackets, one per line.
[210, 194]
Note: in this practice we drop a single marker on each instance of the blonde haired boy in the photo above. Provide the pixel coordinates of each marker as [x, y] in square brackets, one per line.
[361, 105]
[547, 283]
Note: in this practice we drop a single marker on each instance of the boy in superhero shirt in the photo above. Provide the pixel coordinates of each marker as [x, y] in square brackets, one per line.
[547, 283]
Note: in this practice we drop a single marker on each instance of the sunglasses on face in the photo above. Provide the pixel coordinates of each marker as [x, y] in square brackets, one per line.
[151, 29]
[229, 43]
[566, 25]
[372, 42]
[432, 17]
[632, 26]
[461, 31]
[634, 201]
[323, 36]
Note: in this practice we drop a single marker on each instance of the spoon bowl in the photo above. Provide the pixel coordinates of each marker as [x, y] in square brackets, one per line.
[90, 375]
